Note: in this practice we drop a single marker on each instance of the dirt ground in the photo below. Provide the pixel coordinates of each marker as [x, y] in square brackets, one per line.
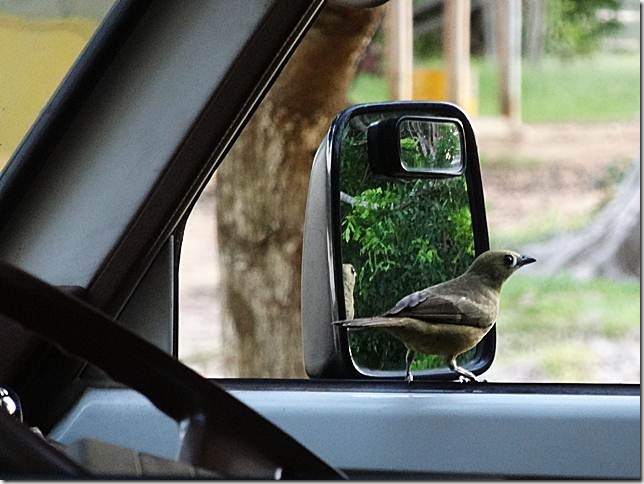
[570, 162]
[200, 314]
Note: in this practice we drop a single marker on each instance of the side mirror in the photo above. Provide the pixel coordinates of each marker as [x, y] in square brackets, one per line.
[396, 204]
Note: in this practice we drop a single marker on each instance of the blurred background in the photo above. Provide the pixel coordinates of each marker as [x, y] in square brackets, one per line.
[553, 91]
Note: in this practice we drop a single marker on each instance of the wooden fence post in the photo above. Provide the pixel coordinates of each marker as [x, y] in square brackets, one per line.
[508, 46]
[399, 49]
[456, 50]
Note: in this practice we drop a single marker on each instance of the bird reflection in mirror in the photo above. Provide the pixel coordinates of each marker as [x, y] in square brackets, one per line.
[348, 284]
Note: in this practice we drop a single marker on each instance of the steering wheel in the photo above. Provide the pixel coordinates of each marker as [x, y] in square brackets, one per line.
[220, 433]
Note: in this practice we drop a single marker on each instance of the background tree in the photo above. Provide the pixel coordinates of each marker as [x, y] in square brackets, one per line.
[574, 26]
[261, 193]
[609, 246]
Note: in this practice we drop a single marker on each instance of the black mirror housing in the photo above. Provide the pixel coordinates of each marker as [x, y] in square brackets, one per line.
[327, 348]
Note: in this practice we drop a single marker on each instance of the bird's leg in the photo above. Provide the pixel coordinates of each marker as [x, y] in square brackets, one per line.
[409, 358]
[461, 371]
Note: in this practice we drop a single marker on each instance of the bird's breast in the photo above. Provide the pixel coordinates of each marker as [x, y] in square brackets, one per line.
[439, 339]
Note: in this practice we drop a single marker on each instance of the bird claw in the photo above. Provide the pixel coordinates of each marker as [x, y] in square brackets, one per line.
[468, 379]
[465, 379]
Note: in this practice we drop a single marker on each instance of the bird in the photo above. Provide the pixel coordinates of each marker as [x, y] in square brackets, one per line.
[348, 284]
[449, 318]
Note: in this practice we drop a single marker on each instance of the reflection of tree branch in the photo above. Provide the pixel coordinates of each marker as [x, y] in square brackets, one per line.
[411, 199]
[346, 198]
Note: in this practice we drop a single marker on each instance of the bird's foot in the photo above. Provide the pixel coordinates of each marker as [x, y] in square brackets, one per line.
[409, 378]
[465, 375]
[466, 379]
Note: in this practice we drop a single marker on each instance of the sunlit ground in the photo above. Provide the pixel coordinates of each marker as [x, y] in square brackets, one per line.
[562, 329]
[559, 328]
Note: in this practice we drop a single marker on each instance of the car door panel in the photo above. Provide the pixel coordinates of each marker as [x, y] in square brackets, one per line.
[396, 431]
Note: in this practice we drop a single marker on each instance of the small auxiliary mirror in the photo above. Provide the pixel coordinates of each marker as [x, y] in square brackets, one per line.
[416, 147]
[430, 146]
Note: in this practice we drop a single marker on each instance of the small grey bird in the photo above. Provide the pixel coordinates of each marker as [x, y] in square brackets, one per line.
[449, 318]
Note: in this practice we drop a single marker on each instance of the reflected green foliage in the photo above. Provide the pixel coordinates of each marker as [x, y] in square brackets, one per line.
[401, 236]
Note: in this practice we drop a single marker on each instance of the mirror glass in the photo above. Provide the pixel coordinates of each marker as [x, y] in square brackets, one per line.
[430, 145]
[399, 234]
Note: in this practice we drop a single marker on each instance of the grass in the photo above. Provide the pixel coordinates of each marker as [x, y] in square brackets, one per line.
[550, 324]
[559, 308]
[368, 88]
[566, 362]
[597, 88]
[537, 227]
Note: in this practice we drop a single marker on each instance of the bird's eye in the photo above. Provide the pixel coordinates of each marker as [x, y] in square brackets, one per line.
[509, 260]
[353, 271]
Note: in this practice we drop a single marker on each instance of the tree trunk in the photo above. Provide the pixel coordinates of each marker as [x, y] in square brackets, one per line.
[535, 37]
[261, 193]
[608, 247]
[488, 10]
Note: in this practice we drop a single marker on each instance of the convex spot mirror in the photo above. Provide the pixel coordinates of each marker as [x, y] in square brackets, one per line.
[416, 147]
[395, 205]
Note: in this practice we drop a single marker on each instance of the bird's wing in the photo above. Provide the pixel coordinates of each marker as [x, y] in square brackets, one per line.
[375, 322]
[440, 308]
[410, 301]
[423, 305]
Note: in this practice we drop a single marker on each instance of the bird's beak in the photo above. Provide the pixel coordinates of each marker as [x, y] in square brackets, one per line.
[524, 260]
